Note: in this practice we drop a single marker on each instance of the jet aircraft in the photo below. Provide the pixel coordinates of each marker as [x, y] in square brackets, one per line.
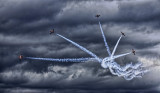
[51, 31]
[97, 15]
[122, 33]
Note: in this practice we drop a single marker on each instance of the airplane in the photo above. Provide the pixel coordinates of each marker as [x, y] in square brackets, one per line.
[20, 57]
[97, 16]
[51, 31]
[103, 61]
[122, 33]
[133, 51]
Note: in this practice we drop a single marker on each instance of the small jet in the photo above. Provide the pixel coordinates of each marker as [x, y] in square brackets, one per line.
[133, 51]
[97, 16]
[20, 57]
[51, 31]
[122, 33]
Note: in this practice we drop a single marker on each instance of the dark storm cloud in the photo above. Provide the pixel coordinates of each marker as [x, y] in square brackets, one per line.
[24, 29]
[40, 16]
[75, 77]
[27, 15]
[126, 11]
[139, 11]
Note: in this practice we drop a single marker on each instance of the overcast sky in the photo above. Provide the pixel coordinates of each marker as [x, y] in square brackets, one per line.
[25, 26]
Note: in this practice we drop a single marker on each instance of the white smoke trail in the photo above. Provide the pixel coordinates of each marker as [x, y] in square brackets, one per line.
[116, 46]
[129, 71]
[63, 60]
[104, 38]
[82, 48]
[117, 56]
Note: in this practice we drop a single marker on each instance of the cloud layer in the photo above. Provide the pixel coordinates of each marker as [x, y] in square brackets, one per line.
[24, 29]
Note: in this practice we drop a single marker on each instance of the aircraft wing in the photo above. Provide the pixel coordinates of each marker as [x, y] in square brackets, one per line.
[62, 60]
[121, 55]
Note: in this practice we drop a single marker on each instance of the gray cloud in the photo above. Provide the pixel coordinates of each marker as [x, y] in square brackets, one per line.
[24, 29]
[75, 77]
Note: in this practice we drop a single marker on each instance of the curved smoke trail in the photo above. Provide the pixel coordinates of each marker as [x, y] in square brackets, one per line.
[129, 71]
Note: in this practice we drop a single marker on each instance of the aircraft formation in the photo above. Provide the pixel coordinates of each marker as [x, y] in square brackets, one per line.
[128, 71]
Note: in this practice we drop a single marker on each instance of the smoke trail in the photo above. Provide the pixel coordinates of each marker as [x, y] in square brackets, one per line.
[129, 71]
[104, 38]
[82, 48]
[116, 46]
[121, 55]
[63, 60]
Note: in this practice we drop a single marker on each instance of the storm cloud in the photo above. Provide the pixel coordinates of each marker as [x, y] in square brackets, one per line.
[24, 29]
